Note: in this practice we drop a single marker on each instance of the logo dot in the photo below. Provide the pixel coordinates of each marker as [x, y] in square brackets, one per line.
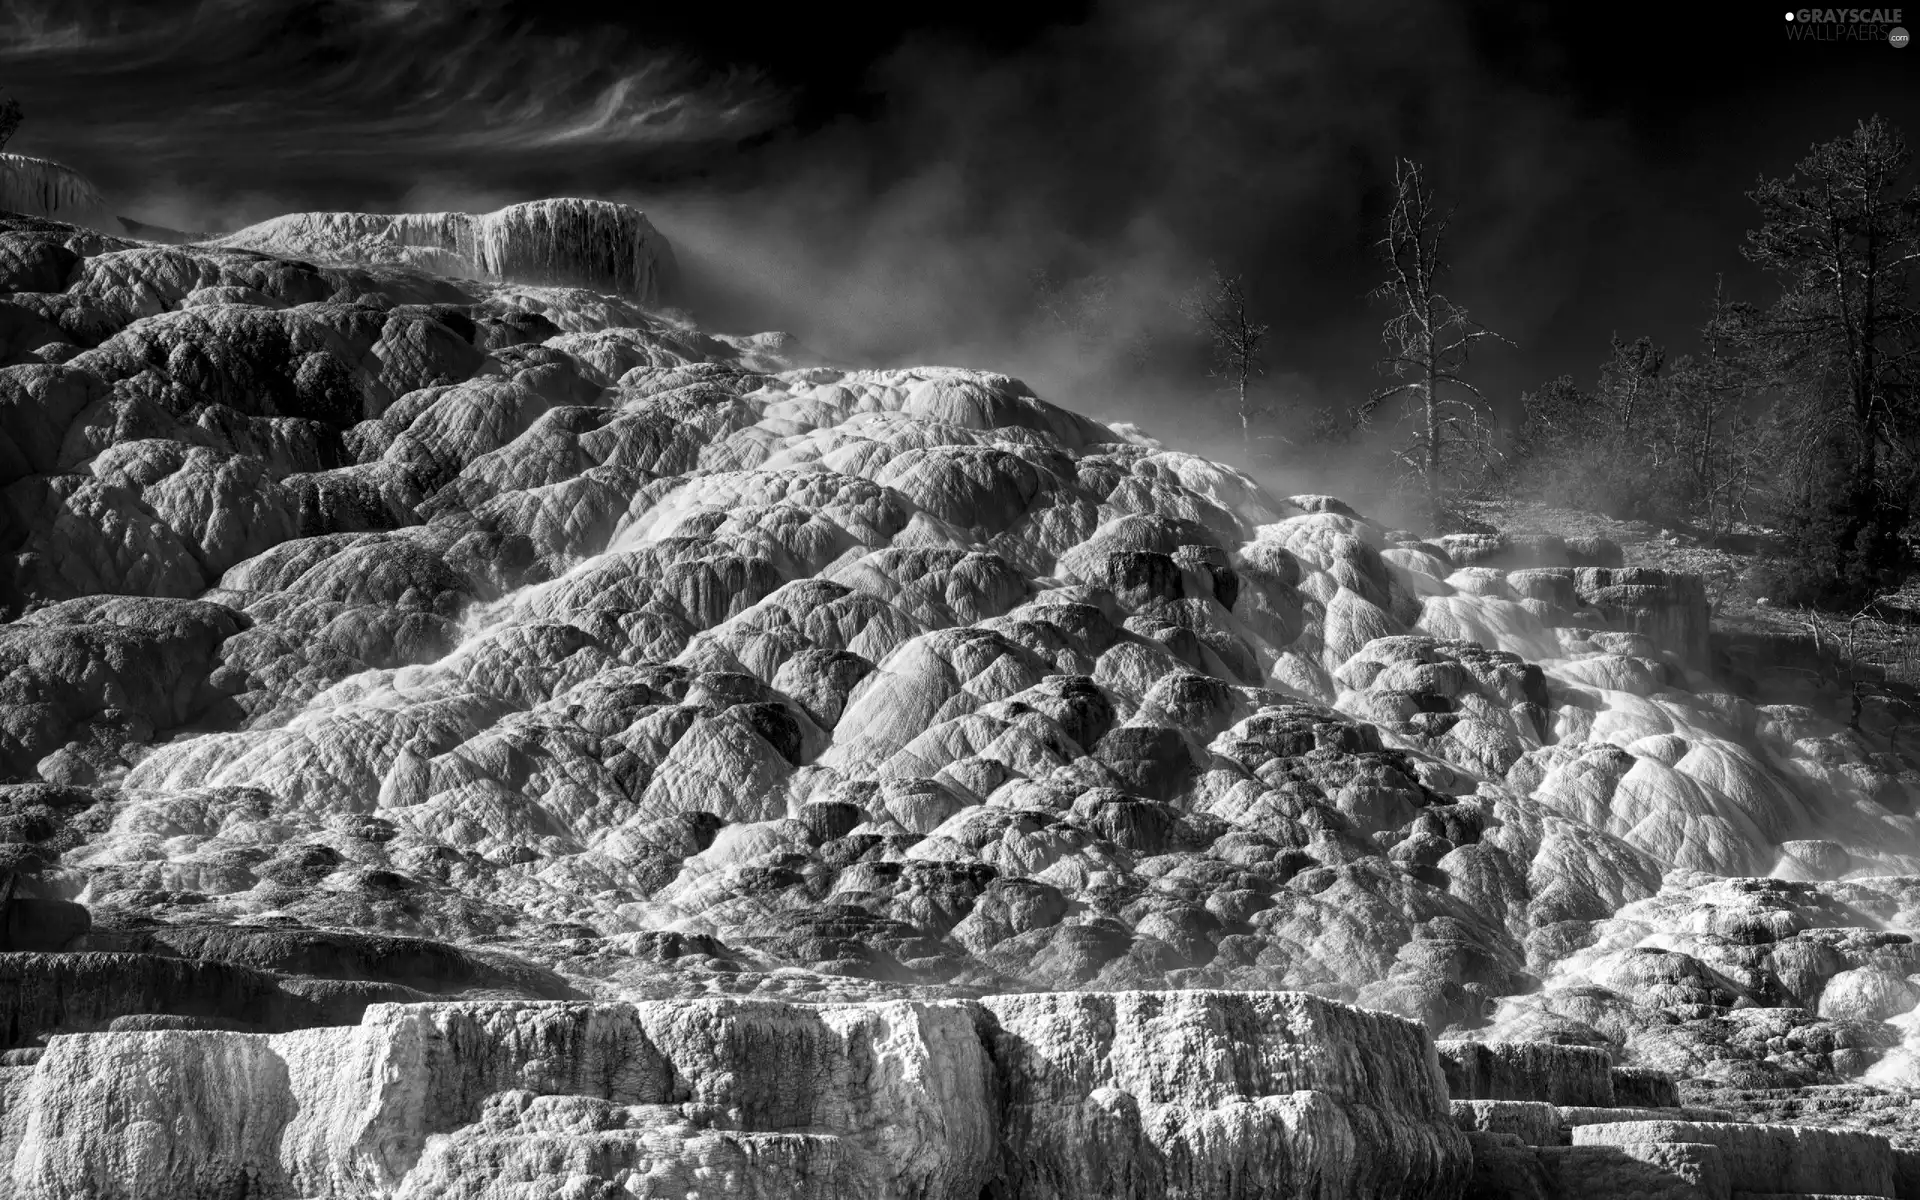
[1898, 38]
[1789, 16]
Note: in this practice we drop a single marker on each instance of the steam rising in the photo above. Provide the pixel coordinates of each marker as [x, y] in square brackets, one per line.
[1136, 146]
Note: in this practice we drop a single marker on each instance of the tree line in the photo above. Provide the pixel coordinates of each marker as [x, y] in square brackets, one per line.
[1798, 417]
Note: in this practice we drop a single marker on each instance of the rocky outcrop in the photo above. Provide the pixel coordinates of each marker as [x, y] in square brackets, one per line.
[574, 243]
[1524, 551]
[1768, 1159]
[1101, 1095]
[43, 188]
[1215, 1094]
[1649, 1170]
[1527, 1072]
[1533, 1151]
[1669, 608]
[44, 995]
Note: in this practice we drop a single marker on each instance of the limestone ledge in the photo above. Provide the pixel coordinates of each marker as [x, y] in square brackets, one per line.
[1200, 1093]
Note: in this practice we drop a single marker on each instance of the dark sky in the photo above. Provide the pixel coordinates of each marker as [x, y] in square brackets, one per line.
[887, 189]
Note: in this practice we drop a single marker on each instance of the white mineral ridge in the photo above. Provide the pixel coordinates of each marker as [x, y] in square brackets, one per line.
[588, 243]
[1095, 1095]
[44, 188]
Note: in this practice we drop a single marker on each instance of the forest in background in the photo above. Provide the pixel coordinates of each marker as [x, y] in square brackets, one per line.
[1795, 428]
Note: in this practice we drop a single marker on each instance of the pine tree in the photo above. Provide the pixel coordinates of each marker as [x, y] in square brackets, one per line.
[1842, 233]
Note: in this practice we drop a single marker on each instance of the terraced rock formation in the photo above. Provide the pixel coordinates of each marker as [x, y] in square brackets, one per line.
[582, 243]
[378, 637]
[1180, 1093]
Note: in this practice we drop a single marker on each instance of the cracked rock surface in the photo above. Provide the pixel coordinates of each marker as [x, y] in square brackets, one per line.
[376, 636]
[1188, 1093]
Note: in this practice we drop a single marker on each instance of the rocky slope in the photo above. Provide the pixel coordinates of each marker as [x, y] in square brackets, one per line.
[377, 636]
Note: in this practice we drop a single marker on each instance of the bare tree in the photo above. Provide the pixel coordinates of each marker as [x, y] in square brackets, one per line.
[1428, 337]
[10, 115]
[1218, 308]
[1629, 381]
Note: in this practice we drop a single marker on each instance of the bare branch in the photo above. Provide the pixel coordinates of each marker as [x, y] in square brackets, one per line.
[1427, 337]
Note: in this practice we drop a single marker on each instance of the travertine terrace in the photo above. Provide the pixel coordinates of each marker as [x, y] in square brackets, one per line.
[473, 735]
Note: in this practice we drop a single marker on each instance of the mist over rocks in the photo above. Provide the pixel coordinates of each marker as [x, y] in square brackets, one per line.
[379, 635]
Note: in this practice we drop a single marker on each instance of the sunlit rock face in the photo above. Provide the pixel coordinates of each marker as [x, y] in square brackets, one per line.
[578, 243]
[1068, 1096]
[498, 639]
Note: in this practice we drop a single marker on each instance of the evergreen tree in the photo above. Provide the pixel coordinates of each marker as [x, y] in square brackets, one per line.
[1842, 234]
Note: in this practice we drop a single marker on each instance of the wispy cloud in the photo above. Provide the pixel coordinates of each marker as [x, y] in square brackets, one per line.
[897, 203]
[350, 101]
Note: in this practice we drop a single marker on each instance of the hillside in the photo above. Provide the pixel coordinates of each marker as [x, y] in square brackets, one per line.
[382, 637]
